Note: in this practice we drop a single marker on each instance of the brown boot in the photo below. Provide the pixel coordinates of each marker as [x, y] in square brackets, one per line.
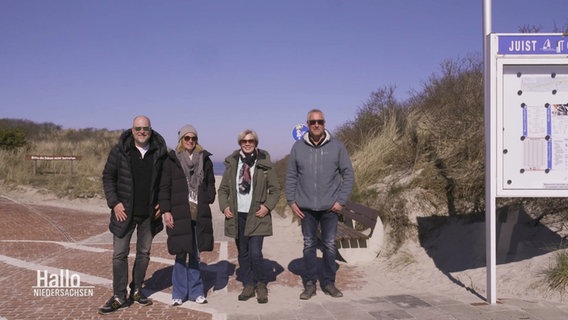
[309, 291]
[261, 293]
[331, 290]
[248, 292]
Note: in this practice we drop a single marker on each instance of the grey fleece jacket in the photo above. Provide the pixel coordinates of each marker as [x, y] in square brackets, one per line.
[318, 176]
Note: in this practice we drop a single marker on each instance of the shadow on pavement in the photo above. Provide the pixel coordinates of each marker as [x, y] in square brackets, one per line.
[160, 280]
[216, 276]
[271, 269]
[298, 268]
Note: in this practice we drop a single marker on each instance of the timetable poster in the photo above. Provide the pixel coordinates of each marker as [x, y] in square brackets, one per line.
[535, 127]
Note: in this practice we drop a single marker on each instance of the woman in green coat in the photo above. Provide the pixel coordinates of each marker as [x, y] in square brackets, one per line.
[248, 193]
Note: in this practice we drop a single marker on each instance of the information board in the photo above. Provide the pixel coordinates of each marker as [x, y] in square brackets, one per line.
[532, 115]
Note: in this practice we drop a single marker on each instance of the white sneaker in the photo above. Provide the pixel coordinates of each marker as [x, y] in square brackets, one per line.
[176, 302]
[200, 300]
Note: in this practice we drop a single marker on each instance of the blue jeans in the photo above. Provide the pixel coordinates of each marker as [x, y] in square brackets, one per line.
[121, 249]
[327, 221]
[186, 276]
[250, 255]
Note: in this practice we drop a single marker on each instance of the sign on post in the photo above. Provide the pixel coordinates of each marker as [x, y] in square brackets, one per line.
[299, 131]
[532, 115]
[35, 158]
[526, 119]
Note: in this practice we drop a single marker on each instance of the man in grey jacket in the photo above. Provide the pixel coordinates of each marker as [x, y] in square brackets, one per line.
[319, 180]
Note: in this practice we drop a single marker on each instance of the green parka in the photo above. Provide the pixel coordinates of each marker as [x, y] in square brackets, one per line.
[266, 190]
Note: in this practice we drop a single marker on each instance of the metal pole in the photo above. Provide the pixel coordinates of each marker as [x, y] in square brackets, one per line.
[490, 160]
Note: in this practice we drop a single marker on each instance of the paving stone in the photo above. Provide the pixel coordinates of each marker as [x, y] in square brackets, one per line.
[395, 314]
[407, 301]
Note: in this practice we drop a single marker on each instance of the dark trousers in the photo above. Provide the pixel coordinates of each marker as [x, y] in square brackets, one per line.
[121, 249]
[327, 221]
[250, 255]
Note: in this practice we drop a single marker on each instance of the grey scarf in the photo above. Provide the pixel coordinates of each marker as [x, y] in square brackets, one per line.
[193, 169]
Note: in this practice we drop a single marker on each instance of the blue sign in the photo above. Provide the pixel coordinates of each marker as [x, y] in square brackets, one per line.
[299, 131]
[533, 44]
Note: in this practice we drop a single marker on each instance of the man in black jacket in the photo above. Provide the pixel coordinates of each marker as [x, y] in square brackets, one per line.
[130, 180]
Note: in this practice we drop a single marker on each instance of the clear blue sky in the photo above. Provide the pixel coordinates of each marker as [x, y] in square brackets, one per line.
[225, 66]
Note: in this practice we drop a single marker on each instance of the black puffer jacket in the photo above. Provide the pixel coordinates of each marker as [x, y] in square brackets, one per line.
[118, 182]
[173, 197]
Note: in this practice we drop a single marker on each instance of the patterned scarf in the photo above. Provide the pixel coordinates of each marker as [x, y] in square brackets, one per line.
[244, 174]
[193, 171]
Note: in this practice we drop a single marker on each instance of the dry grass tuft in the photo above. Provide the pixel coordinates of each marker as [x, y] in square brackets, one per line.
[557, 275]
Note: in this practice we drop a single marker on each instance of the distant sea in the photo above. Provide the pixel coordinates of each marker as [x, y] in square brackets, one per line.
[218, 168]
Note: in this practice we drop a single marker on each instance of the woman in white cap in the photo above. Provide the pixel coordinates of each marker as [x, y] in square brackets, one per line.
[187, 188]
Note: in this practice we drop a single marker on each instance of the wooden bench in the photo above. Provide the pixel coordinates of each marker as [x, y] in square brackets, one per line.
[354, 219]
[359, 236]
[356, 239]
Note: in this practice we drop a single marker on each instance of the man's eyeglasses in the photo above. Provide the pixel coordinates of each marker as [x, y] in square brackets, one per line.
[244, 141]
[192, 138]
[313, 122]
[142, 128]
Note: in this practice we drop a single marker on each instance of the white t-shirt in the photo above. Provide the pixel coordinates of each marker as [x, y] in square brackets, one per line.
[143, 150]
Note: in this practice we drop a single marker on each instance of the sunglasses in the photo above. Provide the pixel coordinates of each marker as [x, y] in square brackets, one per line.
[142, 128]
[192, 138]
[313, 122]
[244, 141]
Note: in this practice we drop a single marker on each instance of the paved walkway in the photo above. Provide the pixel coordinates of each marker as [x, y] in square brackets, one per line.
[36, 239]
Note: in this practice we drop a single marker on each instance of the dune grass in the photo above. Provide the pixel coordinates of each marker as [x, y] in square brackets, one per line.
[65, 178]
[557, 274]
